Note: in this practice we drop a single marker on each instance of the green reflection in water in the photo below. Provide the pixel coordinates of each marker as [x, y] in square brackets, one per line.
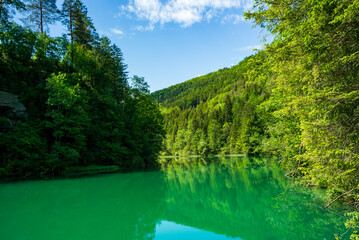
[238, 197]
[190, 198]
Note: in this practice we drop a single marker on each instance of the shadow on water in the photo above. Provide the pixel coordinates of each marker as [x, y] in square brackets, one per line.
[234, 197]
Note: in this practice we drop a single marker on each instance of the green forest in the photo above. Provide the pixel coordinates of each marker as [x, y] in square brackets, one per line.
[298, 98]
[72, 104]
[68, 101]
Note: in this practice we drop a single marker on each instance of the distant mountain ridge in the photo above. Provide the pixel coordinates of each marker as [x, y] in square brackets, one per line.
[199, 89]
[215, 113]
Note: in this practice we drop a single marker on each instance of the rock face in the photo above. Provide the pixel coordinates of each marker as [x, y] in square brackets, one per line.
[11, 110]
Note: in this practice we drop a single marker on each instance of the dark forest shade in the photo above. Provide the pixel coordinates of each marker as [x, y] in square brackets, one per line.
[81, 109]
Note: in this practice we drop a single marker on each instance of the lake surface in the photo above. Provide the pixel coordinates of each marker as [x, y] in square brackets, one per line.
[189, 198]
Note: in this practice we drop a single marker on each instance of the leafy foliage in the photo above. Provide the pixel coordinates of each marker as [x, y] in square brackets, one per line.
[315, 58]
[81, 109]
[298, 98]
[217, 113]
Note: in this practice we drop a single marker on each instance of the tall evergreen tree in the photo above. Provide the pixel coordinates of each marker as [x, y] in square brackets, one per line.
[6, 7]
[41, 14]
[111, 61]
[67, 16]
[84, 32]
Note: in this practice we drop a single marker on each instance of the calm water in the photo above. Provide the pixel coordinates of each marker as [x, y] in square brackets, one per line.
[226, 198]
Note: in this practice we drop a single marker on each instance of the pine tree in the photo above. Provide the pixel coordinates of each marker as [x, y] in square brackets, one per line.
[84, 32]
[120, 66]
[42, 13]
[6, 7]
[79, 25]
[67, 16]
[111, 61]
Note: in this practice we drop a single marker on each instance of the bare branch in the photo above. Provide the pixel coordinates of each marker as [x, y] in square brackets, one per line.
[344, 194]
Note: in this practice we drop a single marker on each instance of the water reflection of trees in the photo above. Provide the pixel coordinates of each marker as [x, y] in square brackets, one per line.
[232, 196]
[238, 197]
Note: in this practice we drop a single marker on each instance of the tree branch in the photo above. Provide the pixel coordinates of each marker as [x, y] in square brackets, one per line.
[344, 194]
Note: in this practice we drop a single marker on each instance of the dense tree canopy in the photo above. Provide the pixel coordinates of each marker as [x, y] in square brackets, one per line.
[315, 58]
[217, 113]
[298, 98]
[80, 108]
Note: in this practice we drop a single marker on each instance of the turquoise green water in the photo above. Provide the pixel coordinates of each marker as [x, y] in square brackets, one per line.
[228, 198]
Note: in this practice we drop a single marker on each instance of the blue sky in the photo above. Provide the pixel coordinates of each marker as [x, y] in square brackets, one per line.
[171, 41]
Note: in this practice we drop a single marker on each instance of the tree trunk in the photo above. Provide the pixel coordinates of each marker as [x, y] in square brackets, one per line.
[0, 7]
[72, 37]
[71, 31]
[41, 23]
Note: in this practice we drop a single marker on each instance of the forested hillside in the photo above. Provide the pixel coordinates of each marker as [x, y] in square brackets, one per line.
[217, 113]
[298, 98]
[66, 101]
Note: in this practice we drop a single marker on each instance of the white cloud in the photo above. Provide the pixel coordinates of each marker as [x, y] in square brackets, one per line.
[233, 18]
[150, 27]
[210, 14]
[116, 31]
[251, 47]
[183, 12]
